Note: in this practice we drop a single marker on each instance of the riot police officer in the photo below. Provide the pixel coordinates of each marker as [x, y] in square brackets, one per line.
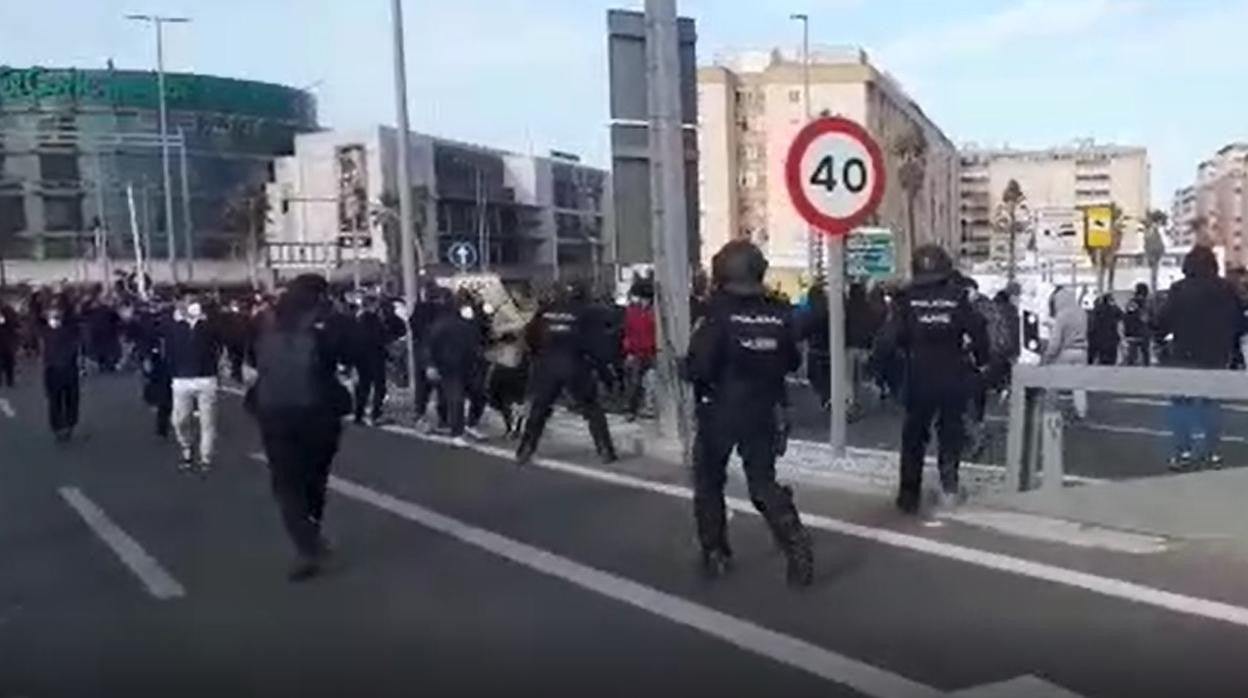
[739, 354]
[562, 337]
[943, 344]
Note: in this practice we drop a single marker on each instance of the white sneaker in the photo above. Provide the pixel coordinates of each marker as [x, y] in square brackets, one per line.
[459, 442]
[475, 433]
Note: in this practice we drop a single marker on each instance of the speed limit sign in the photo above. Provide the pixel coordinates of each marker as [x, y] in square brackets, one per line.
[835, 174]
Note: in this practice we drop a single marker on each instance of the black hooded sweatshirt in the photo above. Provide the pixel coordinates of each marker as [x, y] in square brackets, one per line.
[1203, 313]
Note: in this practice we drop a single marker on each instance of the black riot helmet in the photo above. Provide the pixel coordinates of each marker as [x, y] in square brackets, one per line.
[931, 263]
[738, 268]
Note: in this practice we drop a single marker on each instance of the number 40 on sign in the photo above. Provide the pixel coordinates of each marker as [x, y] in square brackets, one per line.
[835, 174]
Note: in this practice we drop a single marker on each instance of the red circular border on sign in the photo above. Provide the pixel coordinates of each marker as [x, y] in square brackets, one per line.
[793, 174]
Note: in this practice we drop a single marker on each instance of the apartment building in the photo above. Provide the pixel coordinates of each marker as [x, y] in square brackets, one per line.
[1213, 210]
[1057, 183]
[751, 105]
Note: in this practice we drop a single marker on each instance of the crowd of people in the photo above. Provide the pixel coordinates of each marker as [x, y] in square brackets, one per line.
[936, 345]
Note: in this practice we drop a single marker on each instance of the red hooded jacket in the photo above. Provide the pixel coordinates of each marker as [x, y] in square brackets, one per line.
[639, 336]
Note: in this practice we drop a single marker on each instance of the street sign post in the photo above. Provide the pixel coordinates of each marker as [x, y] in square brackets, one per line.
[1098, 227]
[835, 177]
[463, 255]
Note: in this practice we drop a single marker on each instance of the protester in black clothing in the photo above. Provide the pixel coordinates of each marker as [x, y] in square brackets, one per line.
[8, 345]
[1103, 336]
[931, 325]
[1203, 317]
[432, 300]
[1135, 328]
[233, 321]
[739, 355]
[104, 335]
[814, 331]
[371, 337]
[455, 354]
[61, 351]
[561, 337]
[299, 402]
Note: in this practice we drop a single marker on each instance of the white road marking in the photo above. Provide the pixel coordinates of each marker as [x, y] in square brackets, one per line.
[1134, 431]
[1023, 687]
[861, 677]
[1153, 402]
[1105, 586]
[6, 408]
[159, 583]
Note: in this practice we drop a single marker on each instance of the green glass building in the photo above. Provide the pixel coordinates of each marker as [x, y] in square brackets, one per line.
[72, 141]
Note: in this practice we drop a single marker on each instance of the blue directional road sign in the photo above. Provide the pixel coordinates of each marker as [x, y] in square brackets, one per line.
[870, 253]
[462, 254]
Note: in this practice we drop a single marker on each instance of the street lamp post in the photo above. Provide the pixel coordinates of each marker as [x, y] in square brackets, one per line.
[158, 22]
[814, 242]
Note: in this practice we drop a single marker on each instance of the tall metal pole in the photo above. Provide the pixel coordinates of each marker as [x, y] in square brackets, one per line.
[140, 275]
[188, 234]
[101, 246]
[164, 151]
[406, 232]
[814, 240]
[668, 234]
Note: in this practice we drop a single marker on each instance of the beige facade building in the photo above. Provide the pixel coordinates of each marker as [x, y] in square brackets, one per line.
[1057, 183]
[1214, 210]
[751, 105]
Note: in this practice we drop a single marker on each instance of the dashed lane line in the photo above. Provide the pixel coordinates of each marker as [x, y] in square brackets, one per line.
[159, 583]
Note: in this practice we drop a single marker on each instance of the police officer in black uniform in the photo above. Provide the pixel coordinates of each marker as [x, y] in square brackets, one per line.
[563, 341]
[739, 354]
[943, 344]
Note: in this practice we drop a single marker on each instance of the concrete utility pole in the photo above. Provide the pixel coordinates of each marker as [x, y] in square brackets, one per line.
[406, 233]
[158, 22]
[187, 233]
[668, 236]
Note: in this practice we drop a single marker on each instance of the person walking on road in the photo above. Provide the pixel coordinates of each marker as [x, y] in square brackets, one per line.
[1068, 342]
[192, 350]
[1103, 336]
[739, 355]
[8, 345]
[62, 348]
[932, 325]
[369, 352]
[298, 403]
[563, 338]
[1202, 318]
[640, 344]
[814, 332]
[1135, 328]
[456, 352]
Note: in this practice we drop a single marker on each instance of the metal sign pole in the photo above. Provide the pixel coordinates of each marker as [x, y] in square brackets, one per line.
[837, 363]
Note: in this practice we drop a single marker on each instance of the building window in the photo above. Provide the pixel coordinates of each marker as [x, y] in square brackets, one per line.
[58, 167]
[795, 96]
[12, 215]
[62, 213]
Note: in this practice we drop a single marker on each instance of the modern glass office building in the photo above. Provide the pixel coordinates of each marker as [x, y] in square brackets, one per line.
[74, 143]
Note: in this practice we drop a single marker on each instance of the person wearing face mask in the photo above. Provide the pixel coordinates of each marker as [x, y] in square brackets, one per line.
[192, 348]
[8, 344]
[61, 343]
[455, 353]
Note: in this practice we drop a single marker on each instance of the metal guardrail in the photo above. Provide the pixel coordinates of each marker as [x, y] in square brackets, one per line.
[1035, 429]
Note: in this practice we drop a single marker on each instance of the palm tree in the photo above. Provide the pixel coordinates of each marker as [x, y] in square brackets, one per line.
[246, 211]
[1012, 199]
[911, 149]
[1154, 243]
[387, 214]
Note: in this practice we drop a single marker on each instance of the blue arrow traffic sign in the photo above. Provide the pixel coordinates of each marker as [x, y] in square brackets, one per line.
[462, 254]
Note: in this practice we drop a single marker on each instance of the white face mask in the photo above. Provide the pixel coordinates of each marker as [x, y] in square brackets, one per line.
[194, 311]
[466, 312]
[54, 322]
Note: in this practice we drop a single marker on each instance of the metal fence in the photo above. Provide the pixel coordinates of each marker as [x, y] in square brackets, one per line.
[1035, 445]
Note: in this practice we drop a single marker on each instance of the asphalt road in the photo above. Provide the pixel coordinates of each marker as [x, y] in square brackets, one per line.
[461, 574]
[1123, 437]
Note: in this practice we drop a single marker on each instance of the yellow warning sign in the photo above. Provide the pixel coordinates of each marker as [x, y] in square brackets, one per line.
[1098, 227]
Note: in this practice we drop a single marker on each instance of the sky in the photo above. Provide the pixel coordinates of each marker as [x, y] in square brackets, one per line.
[530, 75]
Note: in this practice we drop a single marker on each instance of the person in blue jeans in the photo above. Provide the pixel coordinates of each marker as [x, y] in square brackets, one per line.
[1202, 317]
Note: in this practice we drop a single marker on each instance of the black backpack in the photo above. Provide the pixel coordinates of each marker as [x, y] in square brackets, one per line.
[289, 366]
